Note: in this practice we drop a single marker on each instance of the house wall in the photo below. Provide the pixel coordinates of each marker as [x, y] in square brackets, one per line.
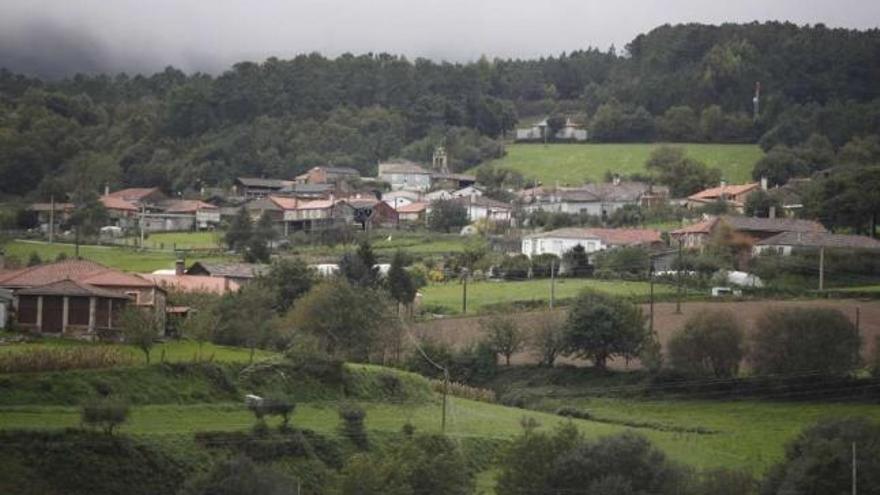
[413, 182]
[558, 245]
[4, 314]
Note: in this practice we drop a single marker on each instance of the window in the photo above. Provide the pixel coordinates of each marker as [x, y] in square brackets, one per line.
[135, 295]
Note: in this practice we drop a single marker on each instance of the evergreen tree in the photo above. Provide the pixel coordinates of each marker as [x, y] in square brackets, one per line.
[400, 284]
[239, 231]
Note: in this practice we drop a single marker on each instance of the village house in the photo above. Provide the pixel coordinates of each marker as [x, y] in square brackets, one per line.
[597, 199]
[734, 195]
[413, 213]
[560, 241]
[467, 192]
[439, 194]
[698, 235]
[784, 243]
[237, 273]
[204, 215]
[308, 215]
[570, 131]
[445, 180]
[479, 208]
[328, 175]
[405, 174]
[138, 196]
[180, 281]
[366, 210]
[250, 187]
[396, 199]
[78, 297]
[59, 213]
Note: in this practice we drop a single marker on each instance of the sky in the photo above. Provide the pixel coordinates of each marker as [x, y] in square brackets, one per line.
[53, 38]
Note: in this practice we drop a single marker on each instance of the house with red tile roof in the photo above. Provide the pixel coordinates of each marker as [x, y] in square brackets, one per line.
[53, 292]
[733, 194]
[413, 212]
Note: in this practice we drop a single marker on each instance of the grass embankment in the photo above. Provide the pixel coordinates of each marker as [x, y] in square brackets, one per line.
[573, 164]
[122, 258]
[480, 295]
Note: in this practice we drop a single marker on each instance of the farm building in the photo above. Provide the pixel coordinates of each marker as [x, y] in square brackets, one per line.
[239, 273]
[413, 212]
[405, 175]
[479, 208]
[328, 175]
[54, 292]
[735, 195]
[697, 235]
[560, 241]
[785, 242]
[249, 187]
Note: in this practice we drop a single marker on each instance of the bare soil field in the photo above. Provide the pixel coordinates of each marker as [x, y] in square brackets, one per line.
[463, 331]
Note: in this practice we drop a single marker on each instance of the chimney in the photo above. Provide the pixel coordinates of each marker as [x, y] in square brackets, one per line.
[179, 267]
[106, 189]
[772, 212]
[723, 183]
[764, 182]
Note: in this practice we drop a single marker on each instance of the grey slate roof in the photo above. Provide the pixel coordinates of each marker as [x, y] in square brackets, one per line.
[821, 239]
[756, 224]
[71, 289]
[234, 270]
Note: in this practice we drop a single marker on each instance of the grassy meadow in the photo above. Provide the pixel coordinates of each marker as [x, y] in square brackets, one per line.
[574, 164]
[127, 259]
[481, 294]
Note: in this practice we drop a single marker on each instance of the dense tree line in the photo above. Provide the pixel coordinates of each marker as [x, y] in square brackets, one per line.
[277, 118]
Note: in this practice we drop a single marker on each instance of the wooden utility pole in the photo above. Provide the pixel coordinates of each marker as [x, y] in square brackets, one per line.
[854, 472]
[678, 290]
[464, 291]
[445, 393]
[143, 213]
[552, 283]
[51, 219]
[821, 268]
[651, 321]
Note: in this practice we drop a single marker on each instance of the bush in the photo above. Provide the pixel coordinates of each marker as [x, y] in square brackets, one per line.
[515, 267]
[463, 391]
[504, 336]
[798, 340]
[352, 426]
[711, 342]
[542, 263]
[64, 358]
[819, 460]
[107, 414]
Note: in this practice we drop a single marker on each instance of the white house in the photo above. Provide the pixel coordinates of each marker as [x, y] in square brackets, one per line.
[467, 192]
[560, 241]
[396, 199]
[599, 199]
[405, 175]
[480, 207]
[570, 131]
[438, 194]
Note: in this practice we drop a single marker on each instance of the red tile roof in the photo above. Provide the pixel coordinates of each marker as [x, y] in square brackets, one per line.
[134, 193]
[71, 288]
[117, 203]
[416, 207]
[729, 190]
[285, 203]
[82, 271]
[187, 206]
[701, 227]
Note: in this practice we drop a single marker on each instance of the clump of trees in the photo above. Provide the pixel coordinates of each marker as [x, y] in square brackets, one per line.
[798, 340]
[504, 336]
[711, 342]
[600, 327]
[447, 215]
[683, 175]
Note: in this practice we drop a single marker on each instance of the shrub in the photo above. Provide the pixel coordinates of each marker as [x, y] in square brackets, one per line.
[504, 336]
[573, 412]
[711, 342]
[796, 340]
[107, 414]
[463, 391]
[64, 358]
[352, 426]
[515, 267]
[818, 461]
[542, 263]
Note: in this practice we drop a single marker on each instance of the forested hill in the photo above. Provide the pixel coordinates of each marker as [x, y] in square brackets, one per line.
[279, 117]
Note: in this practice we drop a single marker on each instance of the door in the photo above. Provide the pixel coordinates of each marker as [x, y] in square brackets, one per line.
[53, 310]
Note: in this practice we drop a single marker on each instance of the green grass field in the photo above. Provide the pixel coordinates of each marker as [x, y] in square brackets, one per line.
[481, 294]
[121, 258]
[574, 164]
[184, 240]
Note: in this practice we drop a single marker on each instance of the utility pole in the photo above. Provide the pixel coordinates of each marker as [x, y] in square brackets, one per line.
[854, 472]
[464, 290]
[552, 283]
[678, 290]
[858, 321]
[51, 219]
[651, 321]
[143, 213]
[445, 393]
[821, 268]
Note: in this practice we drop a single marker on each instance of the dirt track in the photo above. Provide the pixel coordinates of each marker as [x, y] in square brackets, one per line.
[463, 331]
